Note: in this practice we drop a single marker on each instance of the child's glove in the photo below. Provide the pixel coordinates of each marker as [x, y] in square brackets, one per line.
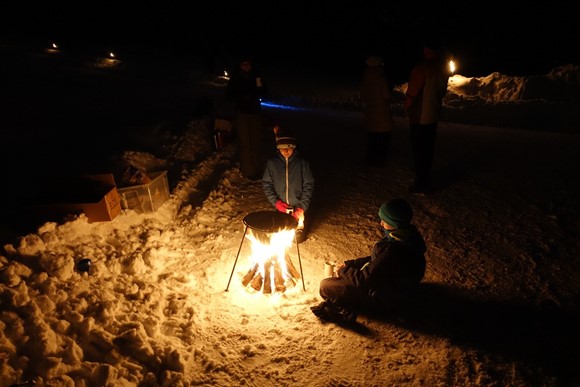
[299, 215]
[282, 206]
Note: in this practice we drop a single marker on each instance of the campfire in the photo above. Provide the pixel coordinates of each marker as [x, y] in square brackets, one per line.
[271, 268]
[271, 234]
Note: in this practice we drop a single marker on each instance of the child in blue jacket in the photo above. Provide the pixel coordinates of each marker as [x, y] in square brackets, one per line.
[287, 180]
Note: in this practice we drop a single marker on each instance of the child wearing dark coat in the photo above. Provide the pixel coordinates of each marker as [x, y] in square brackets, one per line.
[383, 279]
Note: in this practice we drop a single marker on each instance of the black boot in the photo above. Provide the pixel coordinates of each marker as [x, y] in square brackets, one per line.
[331, 312]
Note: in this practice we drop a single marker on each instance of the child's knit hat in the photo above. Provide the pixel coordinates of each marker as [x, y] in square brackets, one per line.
[396, 212]
[284, 139]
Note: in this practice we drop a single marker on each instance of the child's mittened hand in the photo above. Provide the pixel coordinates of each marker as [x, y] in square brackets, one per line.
[298, 213]
[281, 206]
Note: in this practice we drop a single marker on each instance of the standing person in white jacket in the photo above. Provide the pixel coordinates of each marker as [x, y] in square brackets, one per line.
[423, 102]
[375, 93]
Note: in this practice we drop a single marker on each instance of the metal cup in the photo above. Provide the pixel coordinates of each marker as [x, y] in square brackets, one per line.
[329, 269]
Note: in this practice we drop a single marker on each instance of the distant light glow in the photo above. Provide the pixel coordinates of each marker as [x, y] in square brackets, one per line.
[452, 67]
[52, 48]
[284, 107]
[112, 55]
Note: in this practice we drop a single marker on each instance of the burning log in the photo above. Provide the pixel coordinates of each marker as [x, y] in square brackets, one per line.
[279, 280]
[293, 273]
[250, 274]
[267, 288]
[257, 282]
[273, 278]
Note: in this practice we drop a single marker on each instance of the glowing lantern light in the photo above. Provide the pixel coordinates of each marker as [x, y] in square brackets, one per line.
[109, 61]
[52, 49]
[452, 67]
[224, 76]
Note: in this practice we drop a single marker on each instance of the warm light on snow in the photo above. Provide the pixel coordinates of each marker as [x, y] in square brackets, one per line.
[501, 232]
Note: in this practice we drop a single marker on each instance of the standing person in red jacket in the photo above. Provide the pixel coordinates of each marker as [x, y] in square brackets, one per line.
[246, 89]
[423, 102]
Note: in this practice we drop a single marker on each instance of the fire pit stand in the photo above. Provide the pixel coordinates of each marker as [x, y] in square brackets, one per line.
[268, 222]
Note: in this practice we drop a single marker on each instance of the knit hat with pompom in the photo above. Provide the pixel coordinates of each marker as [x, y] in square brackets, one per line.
[284, 139]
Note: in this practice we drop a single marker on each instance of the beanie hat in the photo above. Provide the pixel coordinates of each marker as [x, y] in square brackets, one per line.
[284, 139]
[374, 61]
[396, 212]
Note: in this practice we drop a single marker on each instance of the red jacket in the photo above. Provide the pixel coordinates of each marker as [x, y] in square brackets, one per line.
[426, 88]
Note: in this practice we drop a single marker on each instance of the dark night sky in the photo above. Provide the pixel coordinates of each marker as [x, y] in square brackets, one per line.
[483, 36]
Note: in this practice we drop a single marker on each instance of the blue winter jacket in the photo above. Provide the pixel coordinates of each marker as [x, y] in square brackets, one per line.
[288, 180]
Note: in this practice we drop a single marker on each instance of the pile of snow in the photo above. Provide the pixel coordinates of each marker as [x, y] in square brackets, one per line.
[501, 301]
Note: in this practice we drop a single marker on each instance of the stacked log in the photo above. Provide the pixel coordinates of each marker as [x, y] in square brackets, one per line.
[263, 282]
[250, 274]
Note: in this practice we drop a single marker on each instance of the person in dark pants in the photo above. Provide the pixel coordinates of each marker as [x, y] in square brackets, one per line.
[375, 93]
[423, 102]
[383, 280]
[245, 89]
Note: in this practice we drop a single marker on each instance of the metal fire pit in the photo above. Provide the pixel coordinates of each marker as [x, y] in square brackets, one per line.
[268, 222]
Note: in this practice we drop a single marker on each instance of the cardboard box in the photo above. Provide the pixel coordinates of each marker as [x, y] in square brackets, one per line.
[94, 195]
[146, 197]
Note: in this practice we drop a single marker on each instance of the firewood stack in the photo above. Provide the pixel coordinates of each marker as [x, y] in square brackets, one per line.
[263, 281]
[260, 278]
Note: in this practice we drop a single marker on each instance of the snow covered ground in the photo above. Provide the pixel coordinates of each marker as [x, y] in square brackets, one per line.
[499, 304]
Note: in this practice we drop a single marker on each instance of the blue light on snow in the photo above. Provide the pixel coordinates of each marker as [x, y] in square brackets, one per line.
[283, 107]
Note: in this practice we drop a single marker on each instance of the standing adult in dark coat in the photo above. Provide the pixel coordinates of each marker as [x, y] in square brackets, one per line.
[383, 279]
[375, 93]
[245, 89]
[423, 102]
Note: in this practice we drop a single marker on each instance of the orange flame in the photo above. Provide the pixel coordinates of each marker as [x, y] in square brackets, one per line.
[271, 254]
